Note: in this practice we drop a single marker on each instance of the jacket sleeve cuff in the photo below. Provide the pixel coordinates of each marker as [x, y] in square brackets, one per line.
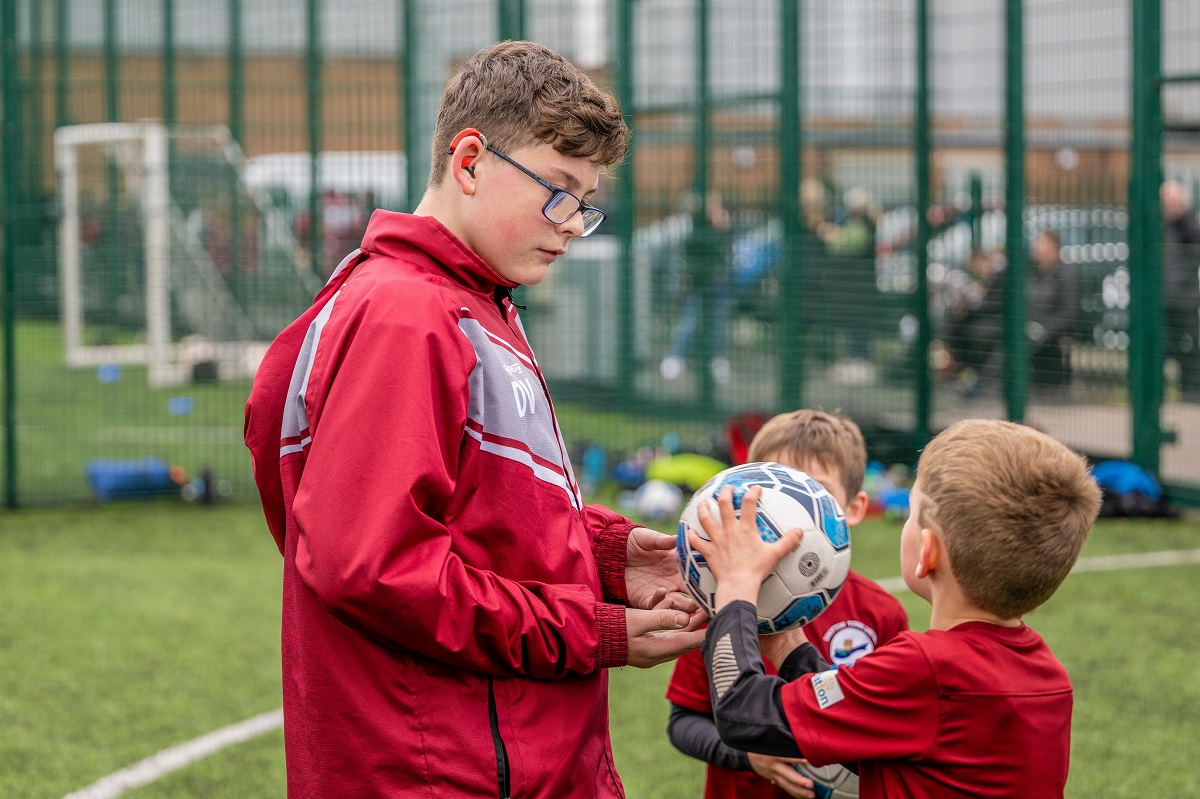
[614, 640]
[612, 546]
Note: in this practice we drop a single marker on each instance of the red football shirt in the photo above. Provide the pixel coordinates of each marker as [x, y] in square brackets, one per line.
[979, 710]
[862, 617]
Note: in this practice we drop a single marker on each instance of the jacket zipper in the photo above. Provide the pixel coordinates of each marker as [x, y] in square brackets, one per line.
[501, 294]
[502, 779]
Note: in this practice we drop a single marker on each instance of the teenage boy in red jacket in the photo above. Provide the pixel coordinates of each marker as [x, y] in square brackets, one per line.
[450, 604]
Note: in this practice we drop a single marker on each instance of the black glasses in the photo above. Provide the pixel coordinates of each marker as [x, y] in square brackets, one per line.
[562, 204]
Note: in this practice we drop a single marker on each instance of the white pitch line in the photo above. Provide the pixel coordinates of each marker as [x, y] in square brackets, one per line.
[1099, 563]
[893, 585]
[1144, 560]
[176, 757]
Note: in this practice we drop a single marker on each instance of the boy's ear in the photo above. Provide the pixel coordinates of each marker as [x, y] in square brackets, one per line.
[856, 508]
[931, 552]
[464, 148]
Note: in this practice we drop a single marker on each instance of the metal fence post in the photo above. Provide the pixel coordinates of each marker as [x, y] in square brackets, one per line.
[168, 62]
[414, 180]
[237, 92]
[702, 262]
[1016, 375]
[511, 14]
[627, 194]
[62, 62]
[237, 73]
[112, 63]
[923, 143]
[791, 175]
[10, 149]
[313, 76]
[975, 187]
[1145, 235]
[34, 133]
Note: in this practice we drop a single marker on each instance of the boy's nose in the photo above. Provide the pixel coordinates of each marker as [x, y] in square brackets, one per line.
[574, 225]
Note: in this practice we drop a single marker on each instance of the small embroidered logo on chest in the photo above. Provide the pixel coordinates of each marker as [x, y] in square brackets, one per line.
[525, 396]
[848, 640]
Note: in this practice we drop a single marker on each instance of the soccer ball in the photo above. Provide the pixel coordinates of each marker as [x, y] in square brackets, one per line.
[809, 577]
[831, 782]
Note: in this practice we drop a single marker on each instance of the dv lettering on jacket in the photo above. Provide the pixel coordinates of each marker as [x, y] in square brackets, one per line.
[523, 391]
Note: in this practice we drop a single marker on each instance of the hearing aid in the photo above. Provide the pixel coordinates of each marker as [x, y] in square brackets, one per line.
[462, 134]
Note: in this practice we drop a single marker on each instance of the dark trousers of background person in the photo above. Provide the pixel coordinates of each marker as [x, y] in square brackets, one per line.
[723, 300]
[974, 347]
[1046, 364]
[972, 343]
[1181, 341]
[852, 303]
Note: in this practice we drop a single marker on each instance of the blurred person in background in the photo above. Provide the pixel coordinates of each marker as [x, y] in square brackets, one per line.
[1181, 285]
[1052, 291]
[974, 316]
[706, 254]
[850, 246]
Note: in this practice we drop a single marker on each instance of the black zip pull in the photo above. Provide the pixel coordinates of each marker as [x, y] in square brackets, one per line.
[504, 292]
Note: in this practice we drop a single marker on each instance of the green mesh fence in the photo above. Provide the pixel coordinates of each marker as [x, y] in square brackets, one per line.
[180, 178]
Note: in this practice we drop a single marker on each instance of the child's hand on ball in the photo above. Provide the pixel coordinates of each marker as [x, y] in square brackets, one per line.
[736, 554]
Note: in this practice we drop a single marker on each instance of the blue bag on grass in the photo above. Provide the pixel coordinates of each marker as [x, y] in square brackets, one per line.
[1129, 490]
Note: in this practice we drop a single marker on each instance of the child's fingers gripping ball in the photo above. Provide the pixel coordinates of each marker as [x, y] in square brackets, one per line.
[806, 579]
[729, 538]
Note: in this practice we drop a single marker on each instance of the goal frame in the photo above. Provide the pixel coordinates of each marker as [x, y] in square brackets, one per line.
[157, 353]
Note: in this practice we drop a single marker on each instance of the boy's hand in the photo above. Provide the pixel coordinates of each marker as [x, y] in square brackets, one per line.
[736, 554]
[663, 633]
[652, 571]
[782, 774]
[777, 646]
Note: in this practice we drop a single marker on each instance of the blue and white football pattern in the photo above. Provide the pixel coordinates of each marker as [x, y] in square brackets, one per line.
[806, 579]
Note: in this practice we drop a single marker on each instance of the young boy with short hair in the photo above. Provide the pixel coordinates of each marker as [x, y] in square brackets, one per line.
[450, 605]
[978, 705]
[829, 447]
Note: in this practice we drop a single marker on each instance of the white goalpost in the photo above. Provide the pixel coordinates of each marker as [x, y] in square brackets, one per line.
[179, 305]
[151, 142]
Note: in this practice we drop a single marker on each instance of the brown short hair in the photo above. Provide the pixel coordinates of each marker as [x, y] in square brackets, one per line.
[521, 93]
[1014, 507]
[829, 438]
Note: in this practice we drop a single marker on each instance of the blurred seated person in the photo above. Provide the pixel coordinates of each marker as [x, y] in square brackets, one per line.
[1052, 293]
[974, 322]
[849, 282]
[1181, 286]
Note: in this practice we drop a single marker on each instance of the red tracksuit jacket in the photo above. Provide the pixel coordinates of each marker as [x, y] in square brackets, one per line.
[445, 623]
